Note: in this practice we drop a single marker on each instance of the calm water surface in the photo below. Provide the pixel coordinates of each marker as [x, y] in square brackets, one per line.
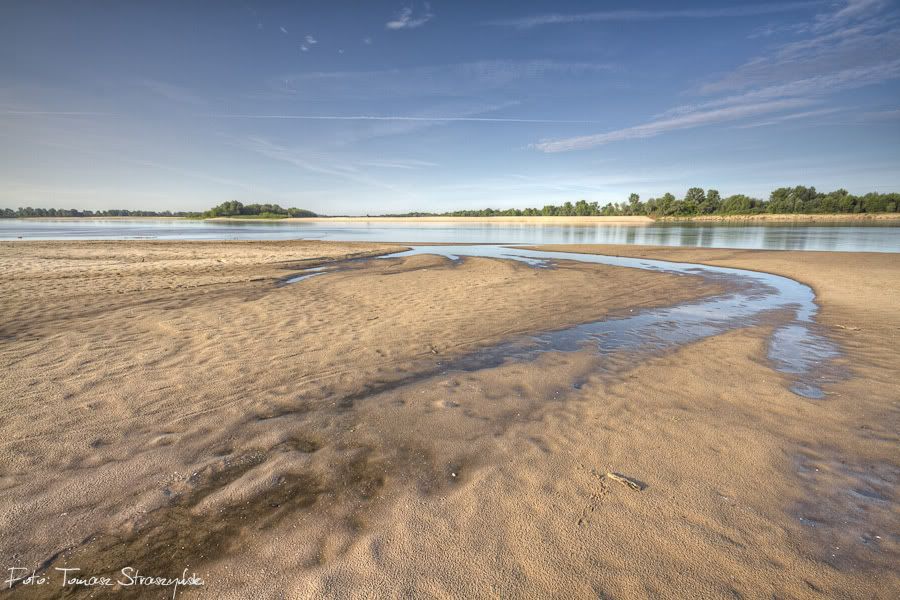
[880, 237]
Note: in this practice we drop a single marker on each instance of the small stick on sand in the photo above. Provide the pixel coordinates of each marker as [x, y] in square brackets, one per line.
[625, 481]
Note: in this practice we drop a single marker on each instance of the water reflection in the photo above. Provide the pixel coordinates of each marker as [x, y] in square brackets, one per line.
[870, 237]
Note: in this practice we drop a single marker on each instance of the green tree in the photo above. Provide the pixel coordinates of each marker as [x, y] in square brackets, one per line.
[712, 202]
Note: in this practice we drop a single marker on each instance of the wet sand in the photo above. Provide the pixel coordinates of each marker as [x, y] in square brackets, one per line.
[167, 410]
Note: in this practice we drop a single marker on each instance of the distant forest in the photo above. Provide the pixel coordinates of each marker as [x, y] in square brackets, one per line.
[232, 208]
[697, 201]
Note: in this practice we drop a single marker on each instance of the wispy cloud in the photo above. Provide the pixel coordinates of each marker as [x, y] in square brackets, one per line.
[439, 115]
[400, 163]
[434, 118]
[860, 37]
[658, 127]
[283, 30]
[852, 10]
[362, 127]
[791, 117]
[447, 80]
[407, 18]
[311, 40]
[817, 86]
[315, 162]
[654, 15]
[850, 46]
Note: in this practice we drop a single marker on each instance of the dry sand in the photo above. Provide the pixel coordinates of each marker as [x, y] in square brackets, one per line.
[166, 410]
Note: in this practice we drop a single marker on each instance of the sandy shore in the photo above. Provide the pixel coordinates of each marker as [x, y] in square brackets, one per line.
[166, 405]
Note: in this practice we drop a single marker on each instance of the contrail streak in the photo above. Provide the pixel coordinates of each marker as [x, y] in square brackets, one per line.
[400, 118]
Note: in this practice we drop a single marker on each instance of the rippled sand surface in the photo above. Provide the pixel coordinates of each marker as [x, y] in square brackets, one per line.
[169, 405]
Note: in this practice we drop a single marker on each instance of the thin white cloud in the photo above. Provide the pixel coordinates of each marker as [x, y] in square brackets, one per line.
[402, 163]
[283, 30]
[858, 37]
[655, 128]
[407, 18]
[850, 46]
[367, 41]
[447, 80]
[314, 162]
[791, 117]
[853, 10]
[423, 119]
[435, 118]
[654, 15]
[821, 85]
[311, 40]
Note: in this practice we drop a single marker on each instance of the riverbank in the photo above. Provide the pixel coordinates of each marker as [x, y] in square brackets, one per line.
[525, 220]
[185, 411]
[785, 218]
[629, 220]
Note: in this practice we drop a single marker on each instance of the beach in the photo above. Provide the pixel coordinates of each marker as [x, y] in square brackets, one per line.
[179, 405]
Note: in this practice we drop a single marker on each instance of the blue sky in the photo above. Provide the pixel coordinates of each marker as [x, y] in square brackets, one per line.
[355, 108]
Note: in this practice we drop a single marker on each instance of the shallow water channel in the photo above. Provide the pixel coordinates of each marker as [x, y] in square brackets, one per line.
[796, 347]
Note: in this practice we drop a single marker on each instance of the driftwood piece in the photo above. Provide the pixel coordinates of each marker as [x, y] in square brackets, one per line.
[636, 486]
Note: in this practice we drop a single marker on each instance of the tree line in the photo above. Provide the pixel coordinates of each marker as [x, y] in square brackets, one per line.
[232, 208]
[8, 213]
[697, 201]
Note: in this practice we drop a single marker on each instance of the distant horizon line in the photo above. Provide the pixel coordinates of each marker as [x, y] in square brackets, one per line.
[695, 202]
